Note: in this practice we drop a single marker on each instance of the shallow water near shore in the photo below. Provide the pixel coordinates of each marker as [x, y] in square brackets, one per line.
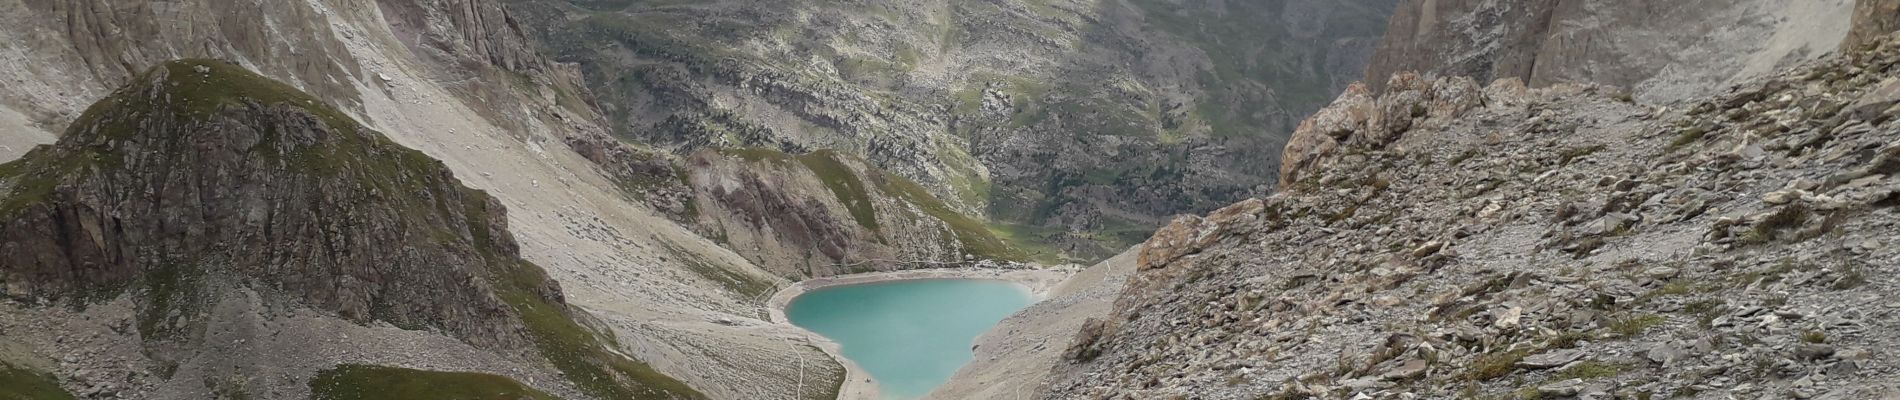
[909, 335]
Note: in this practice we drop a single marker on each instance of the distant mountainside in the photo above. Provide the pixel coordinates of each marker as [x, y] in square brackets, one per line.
[1073, 125]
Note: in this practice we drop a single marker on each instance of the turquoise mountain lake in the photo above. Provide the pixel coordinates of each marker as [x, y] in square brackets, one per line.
[909, 335]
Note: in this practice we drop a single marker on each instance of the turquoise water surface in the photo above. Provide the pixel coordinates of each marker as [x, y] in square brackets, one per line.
[910, 335]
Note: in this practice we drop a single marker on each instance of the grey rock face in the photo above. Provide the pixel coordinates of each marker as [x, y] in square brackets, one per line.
[1659, 51]
[189, 171]
[1873, 19]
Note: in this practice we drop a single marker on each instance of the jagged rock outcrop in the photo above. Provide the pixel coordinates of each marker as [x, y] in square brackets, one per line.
[199, 165]
[1659, 51]
[1087, 121]
[1543, 243]
[1359, 122]
[200, 182]
[1872, 20]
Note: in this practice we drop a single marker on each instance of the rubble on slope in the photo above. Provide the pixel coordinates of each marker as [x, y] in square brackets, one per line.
[1549, 243]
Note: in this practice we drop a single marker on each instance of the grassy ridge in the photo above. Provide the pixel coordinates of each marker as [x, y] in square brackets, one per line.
[974, 235]
[844, 184]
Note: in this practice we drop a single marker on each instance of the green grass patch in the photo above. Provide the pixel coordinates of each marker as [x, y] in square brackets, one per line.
[1567, 340]
[1686, 137]
[1634, 325]
[1772, 228]
[756, 154]
[974, 235]
[1030, 239]
[1572, 154]
[844, 184]
[580, 353]
[1494, 365]
[372, 382]
[971, 185]
[20, 383]
[33, 178]
[171, 294]
[968, 100]
[223, 84]
[1851, 277]
[1706, 311]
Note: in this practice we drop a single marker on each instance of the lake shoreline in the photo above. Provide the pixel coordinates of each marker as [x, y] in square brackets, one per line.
[858, 383]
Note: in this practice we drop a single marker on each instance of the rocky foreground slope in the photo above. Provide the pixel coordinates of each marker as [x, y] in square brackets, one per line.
[1505, 242]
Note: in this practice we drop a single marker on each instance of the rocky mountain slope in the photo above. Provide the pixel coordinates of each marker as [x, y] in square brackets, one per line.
[451, 79]
[1505, 242]
[827, 213]
[1077, 125]
[1659, 51]
[202, 191]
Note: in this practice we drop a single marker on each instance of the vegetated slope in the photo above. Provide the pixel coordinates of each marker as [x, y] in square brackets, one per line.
[1077, 124]
[828, 213]
[1660, 51]
[456, 81]
[1514, 243]
[818, 214]
[201, 184]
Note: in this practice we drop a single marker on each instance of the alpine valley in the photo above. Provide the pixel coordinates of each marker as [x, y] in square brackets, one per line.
[1202, 199]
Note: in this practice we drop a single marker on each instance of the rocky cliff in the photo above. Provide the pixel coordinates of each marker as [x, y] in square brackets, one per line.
[200, 183]
[1872, 20]
[1538, 243]
[1079, 125]
[1659, 51]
